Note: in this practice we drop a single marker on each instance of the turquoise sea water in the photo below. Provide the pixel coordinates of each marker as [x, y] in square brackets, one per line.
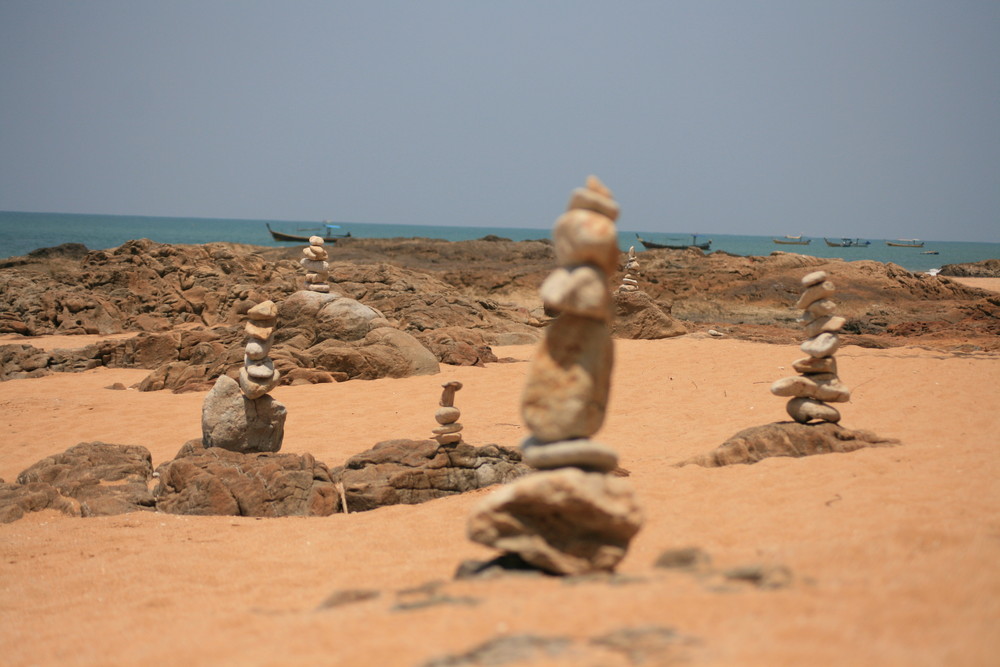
[21, 233]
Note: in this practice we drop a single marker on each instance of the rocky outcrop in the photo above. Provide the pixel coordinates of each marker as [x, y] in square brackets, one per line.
[16, 500]
[787, 439]
[988, 268]
[408, 472]
[637, 316]
[216, 481]
[98, 479]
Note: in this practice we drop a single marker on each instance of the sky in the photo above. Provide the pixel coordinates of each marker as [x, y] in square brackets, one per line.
[870, 118]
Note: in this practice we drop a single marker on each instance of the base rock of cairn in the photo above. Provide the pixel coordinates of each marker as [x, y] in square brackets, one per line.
[572, 517]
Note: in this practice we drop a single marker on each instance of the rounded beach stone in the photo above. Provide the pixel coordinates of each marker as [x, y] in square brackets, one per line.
[804, 410]
[815, 365]
[447, 415]
[454, 427]
[314, 266]
[813, 278]
[823, 387]
[316, 277]
[820, 308]
[315, 252]
[315, 240]
[585, 237]
[822, 345]
[815, 293]
[318, 287]
[582, 290]
[821, 324]
[584, 454]
[259, 331]
[585, 198]
[261, 371]
[265, 310]
[448, 438]
[566, 394]
[253, 389]
[257, 349]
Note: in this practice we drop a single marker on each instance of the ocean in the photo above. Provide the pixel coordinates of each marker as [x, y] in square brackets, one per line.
[21, 233]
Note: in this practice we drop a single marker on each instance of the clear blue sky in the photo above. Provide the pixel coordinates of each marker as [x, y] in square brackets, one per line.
[872, 118]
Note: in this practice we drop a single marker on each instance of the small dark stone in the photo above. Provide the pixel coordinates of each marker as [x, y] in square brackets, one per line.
[347, 596]
[504, 564]
[762, 576]
[685, 558]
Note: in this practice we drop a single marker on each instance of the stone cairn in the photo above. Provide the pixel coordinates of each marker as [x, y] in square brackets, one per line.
[239, 415]
[572, 517]
[316, 266]
[629, 283]
[818, 383]
[450, 430]
[258, 375]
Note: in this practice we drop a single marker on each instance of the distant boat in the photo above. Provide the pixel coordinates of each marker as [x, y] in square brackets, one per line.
[651, 245]
[328, 235]
[906, 243]
[930, 252]
[847, 243]
[792, 240]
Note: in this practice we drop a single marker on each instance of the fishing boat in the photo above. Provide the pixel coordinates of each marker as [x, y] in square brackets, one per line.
[652, 245]
[328, 236]
[906, 243]
[792, 240]
[930, 252]
[847, 243]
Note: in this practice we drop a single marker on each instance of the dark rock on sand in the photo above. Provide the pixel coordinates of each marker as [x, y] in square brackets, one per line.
[103, 478]
[988, 268]
[232, 421]
[408, 472]
[787, 439]
[16, 500]
[638, 316]
[216, 481]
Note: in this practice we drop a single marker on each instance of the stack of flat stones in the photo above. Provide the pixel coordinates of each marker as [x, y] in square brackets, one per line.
[258, 375]
[572, 517]
[316, 266]
[449, 431]
[629, 283]
[818, 384]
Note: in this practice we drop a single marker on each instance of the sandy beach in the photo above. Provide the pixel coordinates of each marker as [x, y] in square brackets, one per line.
[891, 552]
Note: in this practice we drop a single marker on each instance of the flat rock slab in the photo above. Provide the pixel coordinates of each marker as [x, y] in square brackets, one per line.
[564, 522]
[217, 481]
[407, 472]
[787, 439]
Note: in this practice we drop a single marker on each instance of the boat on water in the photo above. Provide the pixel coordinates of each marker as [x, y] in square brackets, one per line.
[930, 252]
[847, 243]
[652, 245]
[328, 235]
[906, 243]
[792, 240]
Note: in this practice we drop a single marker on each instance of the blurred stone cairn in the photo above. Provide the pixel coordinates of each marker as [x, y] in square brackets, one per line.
[316, 266]
[571, 517]
[817, 383]
[629, 283]
[450, 430]
[240, 415]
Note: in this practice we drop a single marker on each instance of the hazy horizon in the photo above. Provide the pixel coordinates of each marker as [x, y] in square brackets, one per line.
[873, 120]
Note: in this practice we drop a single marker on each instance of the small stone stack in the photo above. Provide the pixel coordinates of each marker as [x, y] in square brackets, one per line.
[258, 375]
[573, 517]
[316, 266]
[629, 283]
[450, 430]
[818, 383]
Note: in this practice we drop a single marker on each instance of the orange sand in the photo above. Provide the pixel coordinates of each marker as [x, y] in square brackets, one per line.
[893, 551]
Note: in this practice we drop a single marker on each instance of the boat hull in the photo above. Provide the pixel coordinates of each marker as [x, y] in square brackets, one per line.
[295, 238]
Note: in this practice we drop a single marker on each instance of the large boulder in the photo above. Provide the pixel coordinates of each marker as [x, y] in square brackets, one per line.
[232, 421]
[408, 472]
[103, 478]
[564, 522]
[638, 316]
[787, 439]
[217, 481]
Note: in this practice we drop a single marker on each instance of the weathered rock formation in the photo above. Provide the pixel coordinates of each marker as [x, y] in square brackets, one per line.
[787, 439]
[572, 518]
[414, 471]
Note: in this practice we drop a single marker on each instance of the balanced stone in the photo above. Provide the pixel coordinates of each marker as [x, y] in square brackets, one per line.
[453, 427]
[263, 370]
[318, 287]
[813, 278]
[252, 388]
[581, 291]
[257, 349]
[596, 200]
[823, 387]
[822, 345]
[815, 365]
[233, 421]
[313, 265]
[815, 293]
[829, 323]
[255, 330]
[821, 308]
[448, 415]
[804, 410]
[315, 252]
[584, 454]
[316, 240]
[450, 431]
[263, 312]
